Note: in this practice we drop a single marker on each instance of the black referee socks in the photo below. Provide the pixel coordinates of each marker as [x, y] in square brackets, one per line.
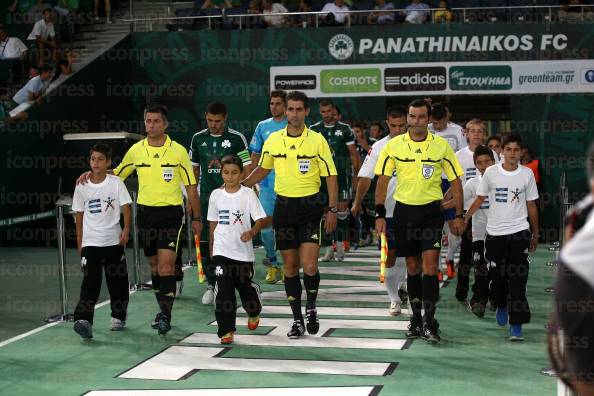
[293, 290]
[156, 280]
[167, 294]
[414, 285]
[311, 284]
[430, 296]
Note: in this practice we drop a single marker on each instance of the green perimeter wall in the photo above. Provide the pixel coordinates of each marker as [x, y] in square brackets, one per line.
[187, 70]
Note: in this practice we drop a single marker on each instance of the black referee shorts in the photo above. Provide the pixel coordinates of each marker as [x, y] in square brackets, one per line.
[160, 227]
[297, 220]
[417, 228]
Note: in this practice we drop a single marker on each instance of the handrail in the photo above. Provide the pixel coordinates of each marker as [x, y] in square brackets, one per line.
[313, 13]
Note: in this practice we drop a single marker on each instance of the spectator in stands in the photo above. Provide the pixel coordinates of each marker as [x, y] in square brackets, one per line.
[336, 13]
[11, 47]
[416, 12]
[21, 6]
[268, 7]
[443, 14]
[64, 67]
[303, 20]
[256, 20]
[574, 10]
[210, 4]
[44, 34]
[36, 12]
[382, 18]
[66, 7]
[35, 88]
[107, 11]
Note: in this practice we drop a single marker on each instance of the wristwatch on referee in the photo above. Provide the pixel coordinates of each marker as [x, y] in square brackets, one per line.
[197, 219]
[333, 209]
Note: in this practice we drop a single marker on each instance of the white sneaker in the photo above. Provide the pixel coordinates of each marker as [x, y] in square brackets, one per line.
[328, 256]
[179, 285]
[208, 296]
[340, 251]
[117, 325]
[395, 308]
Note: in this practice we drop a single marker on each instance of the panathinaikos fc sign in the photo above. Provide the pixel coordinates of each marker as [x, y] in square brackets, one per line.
[546, 70]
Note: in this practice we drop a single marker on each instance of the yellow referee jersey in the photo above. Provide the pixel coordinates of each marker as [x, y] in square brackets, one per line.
[160, 171]
[298, 162]
[418, 167]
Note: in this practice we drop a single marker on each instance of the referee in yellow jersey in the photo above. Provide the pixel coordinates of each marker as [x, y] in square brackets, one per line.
[299, 156]
[161, 164]
[418, 159]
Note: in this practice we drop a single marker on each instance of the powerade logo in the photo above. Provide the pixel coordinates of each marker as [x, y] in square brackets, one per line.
[415, 79]
[351, 80]
[556, 77]
[588, 76]
[295, 82]
[478, 78]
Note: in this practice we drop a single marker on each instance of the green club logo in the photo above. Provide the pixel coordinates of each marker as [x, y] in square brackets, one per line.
[341, 46]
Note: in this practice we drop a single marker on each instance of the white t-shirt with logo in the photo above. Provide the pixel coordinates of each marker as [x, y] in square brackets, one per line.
[368, 170]
[508, 193]
[233, 212]
[101, 204]
[466, 160]
[479, 218]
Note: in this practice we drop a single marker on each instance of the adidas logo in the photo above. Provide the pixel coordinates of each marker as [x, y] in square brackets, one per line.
[292, 147]
[290, 298]
[204, 144]
[156, 156]
[171, 244]
[314, 236]
[437, 245]
[418, 151]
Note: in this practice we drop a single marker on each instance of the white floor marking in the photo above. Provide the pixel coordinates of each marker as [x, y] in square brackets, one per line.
[180, 361]
[326, 311]
[321, 391]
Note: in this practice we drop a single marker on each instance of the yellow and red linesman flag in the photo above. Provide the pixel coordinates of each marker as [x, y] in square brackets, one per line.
[200, 271]
[383, 256]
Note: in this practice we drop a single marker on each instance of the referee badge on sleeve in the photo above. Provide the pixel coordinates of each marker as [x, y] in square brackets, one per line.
[427, 171]
[167, 174]
[304, 165]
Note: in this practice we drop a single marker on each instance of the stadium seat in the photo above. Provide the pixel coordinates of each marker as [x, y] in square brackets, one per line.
[468, 15]
[496, 15]
[546, 14]
[360, 18]
[230, 23]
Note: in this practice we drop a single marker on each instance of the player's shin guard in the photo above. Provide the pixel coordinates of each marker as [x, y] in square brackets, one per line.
[430, 296]
[293, 290]
[156, 281]
[269, 244]
[342, 226]
[414, 284]
[391, 282]
[167, 293]
[311, 284]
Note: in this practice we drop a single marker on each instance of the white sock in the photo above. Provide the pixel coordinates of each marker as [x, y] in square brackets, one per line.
[390, 281]
[454, 242]
[400, 273]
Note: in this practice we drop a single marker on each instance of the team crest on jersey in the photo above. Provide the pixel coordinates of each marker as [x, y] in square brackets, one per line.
[304, 165]
[428, 171]
[338, 133]
[226, 143]
[167, 174]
